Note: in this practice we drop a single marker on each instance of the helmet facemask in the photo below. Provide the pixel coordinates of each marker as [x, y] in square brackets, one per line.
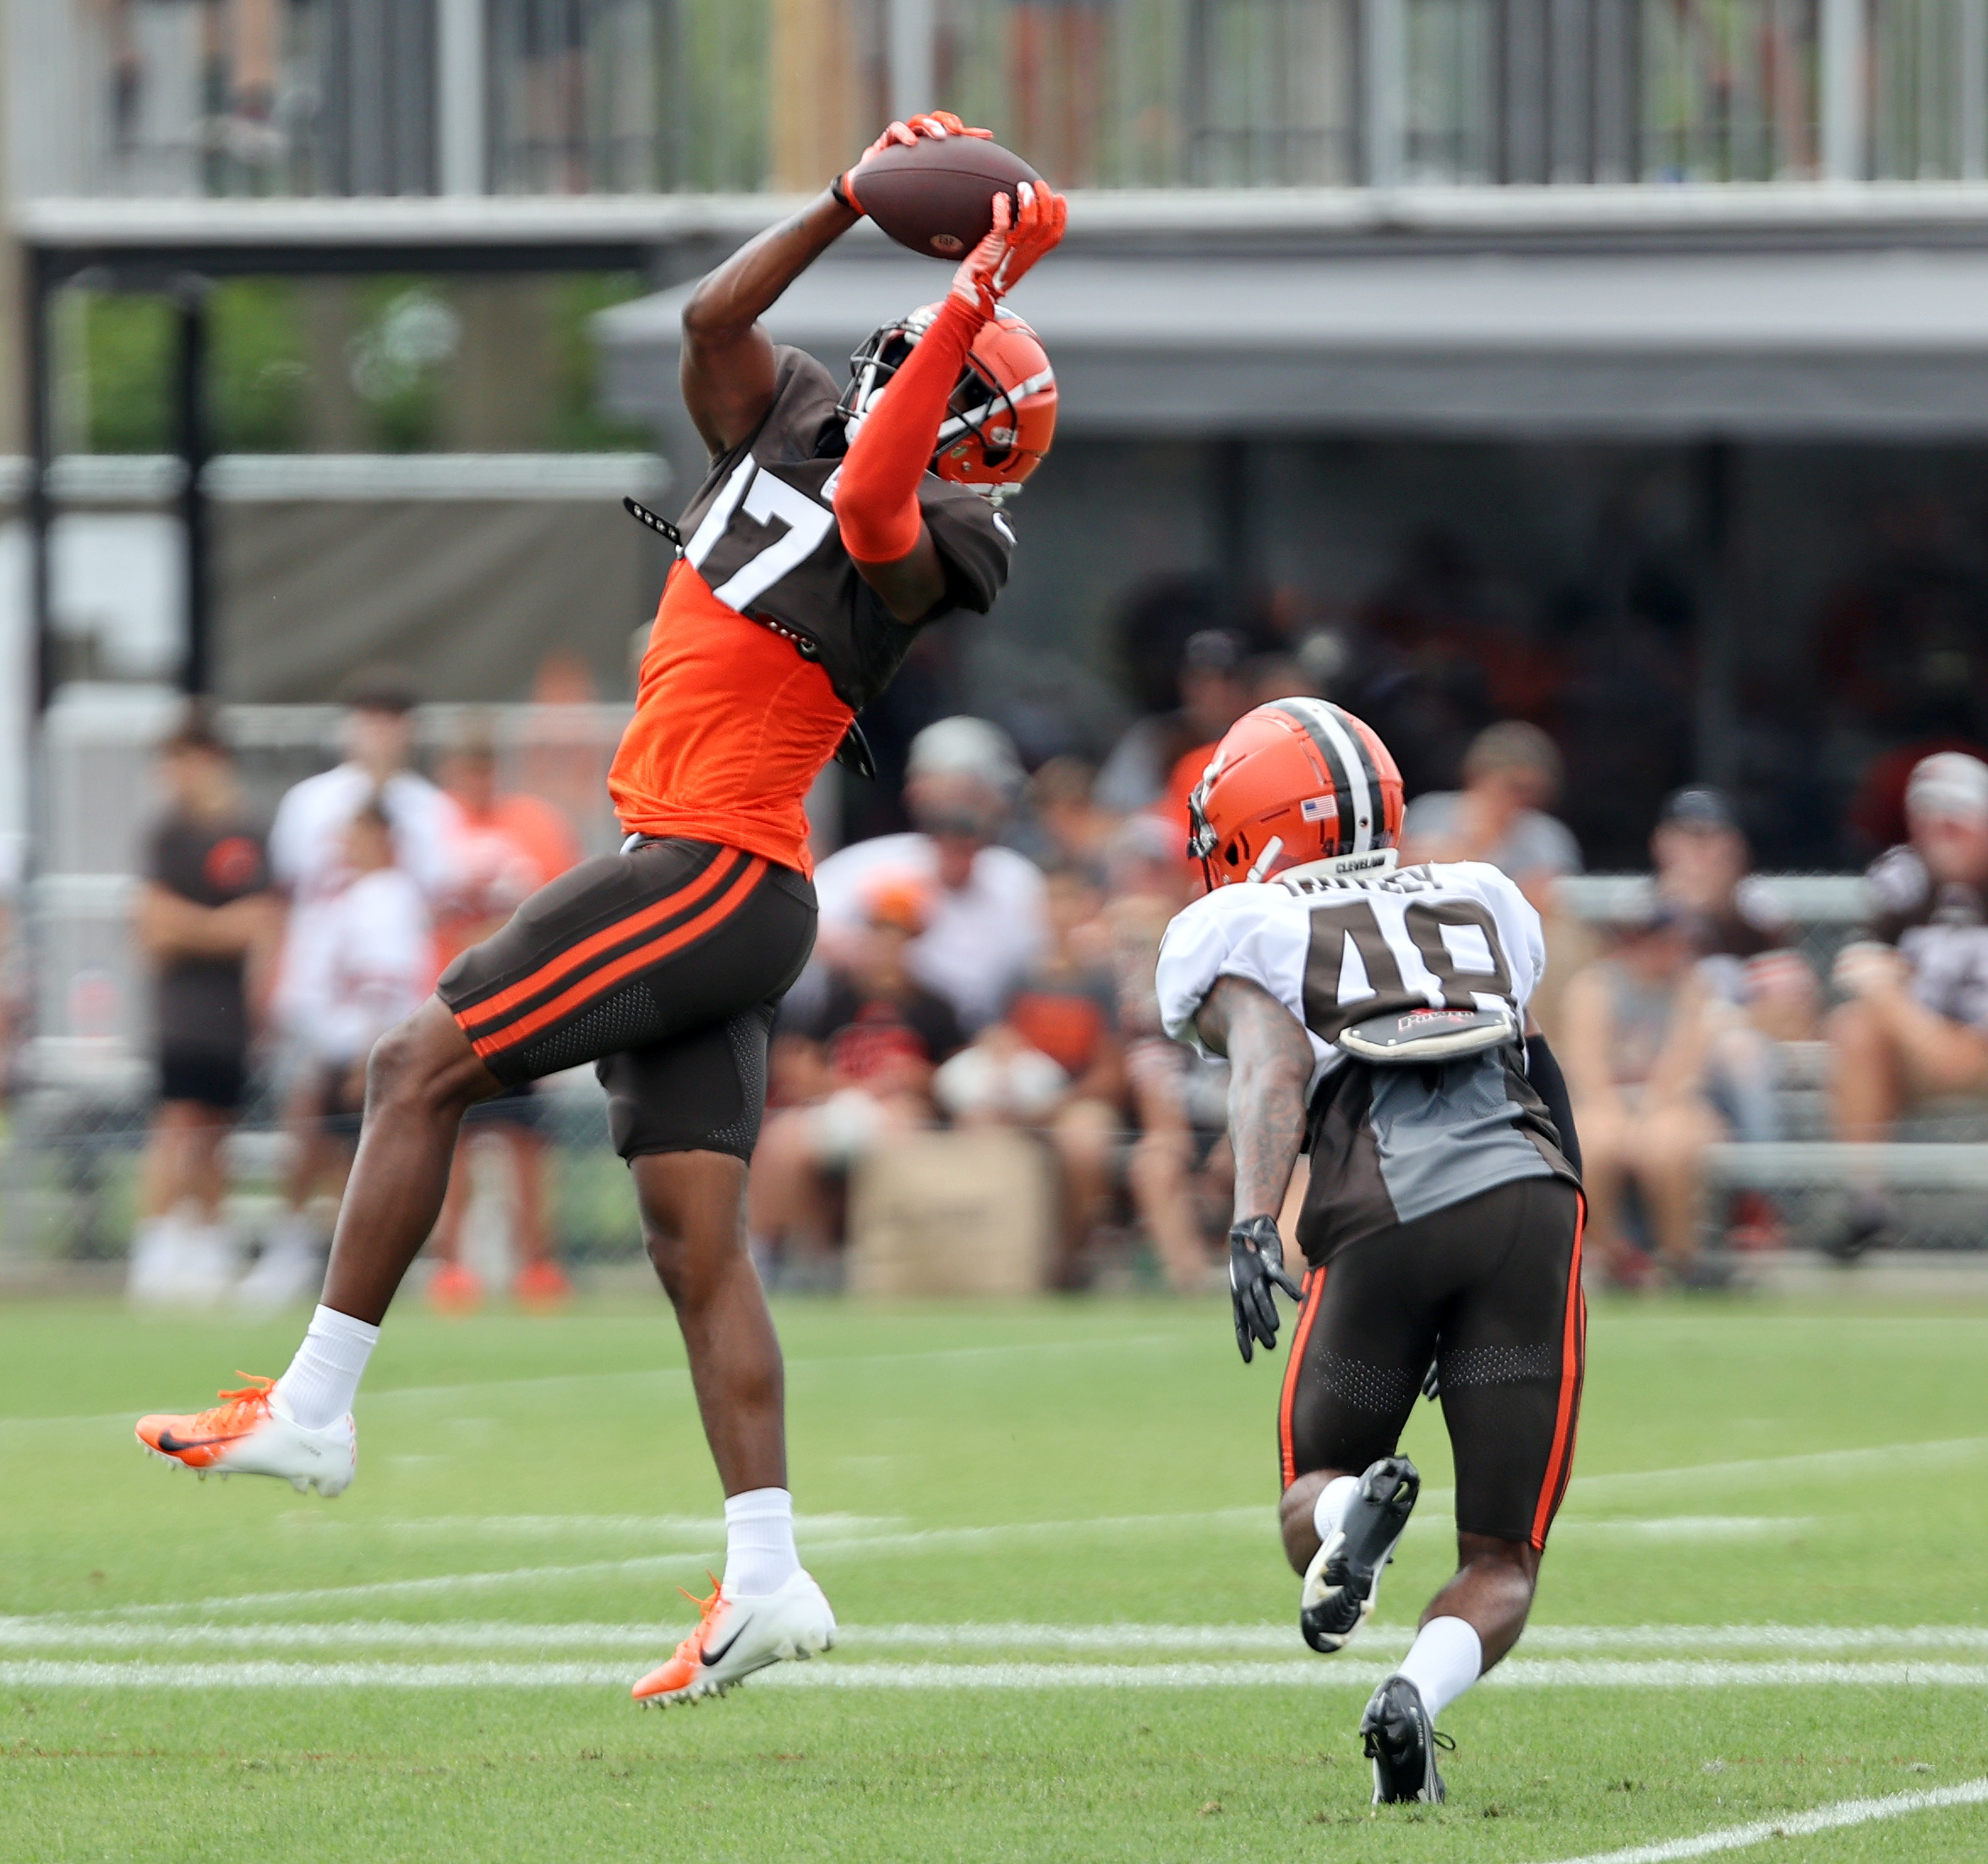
[979, 404]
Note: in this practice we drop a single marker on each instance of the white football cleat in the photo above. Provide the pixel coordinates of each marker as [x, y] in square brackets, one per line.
[1343, 1580]
[735, 1637]
[251, 1433]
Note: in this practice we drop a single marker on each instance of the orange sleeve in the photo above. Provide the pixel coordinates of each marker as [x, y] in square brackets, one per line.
[877, 497]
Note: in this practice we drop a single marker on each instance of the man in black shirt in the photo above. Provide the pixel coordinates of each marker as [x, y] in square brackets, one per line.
[207, 919]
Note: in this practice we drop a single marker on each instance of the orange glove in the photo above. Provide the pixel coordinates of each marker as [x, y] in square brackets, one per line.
[996, 266]
[934, 124]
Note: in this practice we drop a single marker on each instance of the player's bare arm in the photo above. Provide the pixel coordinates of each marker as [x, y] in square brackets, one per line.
[1270, 1065]
[728, 358]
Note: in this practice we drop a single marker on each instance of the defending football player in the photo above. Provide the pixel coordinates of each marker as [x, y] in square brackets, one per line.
[1375, 1016]
[828, 531]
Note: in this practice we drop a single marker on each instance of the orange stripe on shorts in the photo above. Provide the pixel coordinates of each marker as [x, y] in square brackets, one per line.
[598, 983]
[478, 1015]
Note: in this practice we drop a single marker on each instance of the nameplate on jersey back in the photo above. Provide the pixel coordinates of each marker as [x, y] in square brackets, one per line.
[1406, 1038]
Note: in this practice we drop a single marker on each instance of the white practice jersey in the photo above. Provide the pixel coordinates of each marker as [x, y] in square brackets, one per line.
[1388, 1144]
[1337, 948]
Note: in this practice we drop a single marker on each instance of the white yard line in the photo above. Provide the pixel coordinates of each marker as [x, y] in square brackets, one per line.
[1004, 1350]
[932, 1540]
[1824, 1463]
[1378, 1641]
[1823, 1819]
[1548, 1674]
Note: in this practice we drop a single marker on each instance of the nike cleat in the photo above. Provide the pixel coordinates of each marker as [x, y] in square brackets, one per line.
[251, 1433]
[735, 1637]
[1401, 1743]
[1344, 1577]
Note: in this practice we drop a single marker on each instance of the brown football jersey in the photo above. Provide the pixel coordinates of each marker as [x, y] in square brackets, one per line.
[768, 639]
[762, 532]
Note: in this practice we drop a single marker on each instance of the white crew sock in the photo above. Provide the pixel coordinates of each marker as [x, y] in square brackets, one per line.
[323, 1378]
[1446, 1658]
[1329, 1511]
[759, 1543]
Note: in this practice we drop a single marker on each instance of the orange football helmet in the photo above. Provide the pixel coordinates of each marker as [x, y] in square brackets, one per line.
[1003, 414]
[1294, 780]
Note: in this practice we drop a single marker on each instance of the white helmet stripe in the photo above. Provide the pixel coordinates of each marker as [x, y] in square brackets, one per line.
[1326, 723]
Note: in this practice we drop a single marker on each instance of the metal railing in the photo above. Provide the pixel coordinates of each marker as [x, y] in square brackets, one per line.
[369, 97]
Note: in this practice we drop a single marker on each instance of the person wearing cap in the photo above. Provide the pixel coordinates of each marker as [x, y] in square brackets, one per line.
[987, 923]
[1915, 1025]
[1634, 1048]
[308, 859]
[1217, 685]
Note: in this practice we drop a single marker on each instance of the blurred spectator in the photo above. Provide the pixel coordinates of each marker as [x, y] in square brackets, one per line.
[307, 855]
[1066, 823]
[984, 926]
[379, 968]
[1179, 1160]
[1054, 1061]
[241, 46]
[862, 1060]
[1635, 1030]
[1916, 1025]
[1511, 773]
[208, 922]
[1217, 686]
[1760, 990]
[504, 847]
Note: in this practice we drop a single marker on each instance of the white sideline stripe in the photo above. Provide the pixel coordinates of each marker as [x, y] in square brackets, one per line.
[484, 1634]
[1823, 1819]
[1546, 1674]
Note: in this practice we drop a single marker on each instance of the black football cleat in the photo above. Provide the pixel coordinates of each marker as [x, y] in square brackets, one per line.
[1401, 1743]
[1344, 1577]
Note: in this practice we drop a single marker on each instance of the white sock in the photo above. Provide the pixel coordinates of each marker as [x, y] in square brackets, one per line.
[1329, 1511]
[323, 1378]
[759, 1543]
[1446, 1658]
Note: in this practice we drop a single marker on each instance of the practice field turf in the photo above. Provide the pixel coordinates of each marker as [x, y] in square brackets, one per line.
[1068, 1632]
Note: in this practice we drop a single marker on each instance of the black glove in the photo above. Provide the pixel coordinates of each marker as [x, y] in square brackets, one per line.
[1256, 1260]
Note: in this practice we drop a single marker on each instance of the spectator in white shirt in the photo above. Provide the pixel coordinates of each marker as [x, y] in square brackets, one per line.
[987, 924]
[380, 963]
[308, 859]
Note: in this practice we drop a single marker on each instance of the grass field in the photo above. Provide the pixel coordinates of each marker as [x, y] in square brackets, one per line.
[1068, 1632]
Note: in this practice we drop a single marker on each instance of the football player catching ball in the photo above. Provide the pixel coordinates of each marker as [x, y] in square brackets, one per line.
[1375, 1015]
[829, 530]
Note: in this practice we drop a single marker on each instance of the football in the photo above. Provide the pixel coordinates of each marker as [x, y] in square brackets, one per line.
[936, 195]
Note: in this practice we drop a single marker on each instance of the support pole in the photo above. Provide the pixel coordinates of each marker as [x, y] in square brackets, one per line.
[459, 81]
[196, 671]
[913, 65]
[36, 389]
[1384, 90]
[1844, 64]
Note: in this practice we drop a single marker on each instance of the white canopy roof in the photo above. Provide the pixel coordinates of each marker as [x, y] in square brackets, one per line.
[1797, 344]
